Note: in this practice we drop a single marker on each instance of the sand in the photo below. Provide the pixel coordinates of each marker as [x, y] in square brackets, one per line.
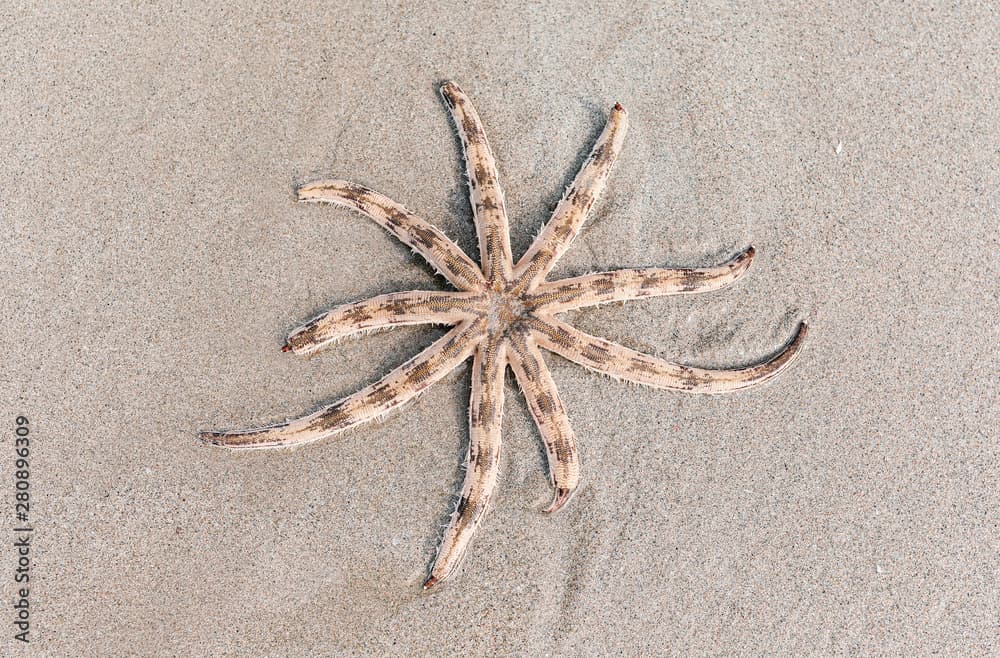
[154, 260]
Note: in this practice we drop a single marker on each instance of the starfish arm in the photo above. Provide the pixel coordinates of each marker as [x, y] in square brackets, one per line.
[484, 186]
[550, 416]
[624, 363]
[623, 285]
[421, 236]
[482, 460]
[392, 310]
[399, 386]
[572, 210]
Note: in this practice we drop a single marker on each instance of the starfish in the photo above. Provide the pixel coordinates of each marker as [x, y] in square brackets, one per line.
[501, 314]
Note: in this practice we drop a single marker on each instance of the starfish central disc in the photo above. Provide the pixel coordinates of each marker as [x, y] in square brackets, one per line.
[504, 311]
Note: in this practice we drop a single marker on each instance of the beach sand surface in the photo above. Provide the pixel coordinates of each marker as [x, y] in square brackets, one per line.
[154, 260]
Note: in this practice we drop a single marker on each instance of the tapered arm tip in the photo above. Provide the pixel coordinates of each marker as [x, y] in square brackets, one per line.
[232, 440]
[741, 263]
[561, 498]
[306, 193]
[212, 438]
[795, 346]
[332, 190]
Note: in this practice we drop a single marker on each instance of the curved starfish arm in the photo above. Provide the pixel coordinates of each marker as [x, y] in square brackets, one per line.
[482, 460]
[624, 363]
[572, 210]
[392, 310]
[424, 238]
[623, 285]
[399, 386]
[550, 416]
[485, 194]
